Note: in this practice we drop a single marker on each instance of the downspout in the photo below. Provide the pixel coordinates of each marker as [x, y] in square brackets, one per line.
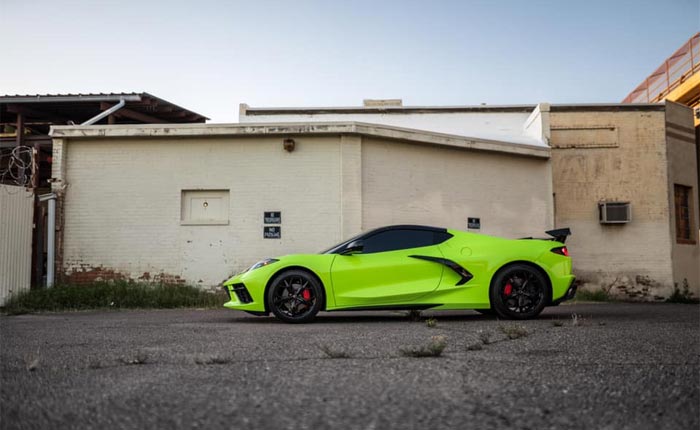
[108, 112]
[51, 237]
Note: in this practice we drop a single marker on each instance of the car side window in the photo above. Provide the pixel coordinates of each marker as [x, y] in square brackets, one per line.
[393, 240]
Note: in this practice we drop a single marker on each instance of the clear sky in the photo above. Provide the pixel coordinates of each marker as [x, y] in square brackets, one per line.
[209, 56]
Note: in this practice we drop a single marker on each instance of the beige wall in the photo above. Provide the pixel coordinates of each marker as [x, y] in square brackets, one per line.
[615, 156]
[409, 183]
[122, 198]
[680, 138]
[122, 204]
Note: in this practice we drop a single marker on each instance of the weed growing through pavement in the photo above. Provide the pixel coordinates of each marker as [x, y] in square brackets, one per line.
[484, 337]
[431, 322]
[433, 349]
[513, 331]
[333, 353]
[212, 359]
[576, 320]
[139, 358]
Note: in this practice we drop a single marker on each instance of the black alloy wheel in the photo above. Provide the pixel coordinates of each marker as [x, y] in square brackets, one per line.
[295, 296]
[519, 292]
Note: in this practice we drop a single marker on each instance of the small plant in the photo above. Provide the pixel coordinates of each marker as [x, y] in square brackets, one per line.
[514, 331]
[138, 359]
[484, 337]
[557, 323]
[333, 353]
[431, 322]
[213, 359]
[475, 347]
[433, 349]
[682, 296]
[576, 320]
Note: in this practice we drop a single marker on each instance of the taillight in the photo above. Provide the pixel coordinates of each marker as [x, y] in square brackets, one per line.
[561, 251]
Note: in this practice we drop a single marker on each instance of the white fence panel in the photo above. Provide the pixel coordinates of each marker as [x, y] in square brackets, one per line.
[16, 222]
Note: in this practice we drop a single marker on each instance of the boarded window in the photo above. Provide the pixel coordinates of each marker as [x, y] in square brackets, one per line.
[204, 207]
[684, 214]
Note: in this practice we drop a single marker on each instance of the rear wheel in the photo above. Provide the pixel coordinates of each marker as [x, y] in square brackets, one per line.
[295, 296]
[519, 291]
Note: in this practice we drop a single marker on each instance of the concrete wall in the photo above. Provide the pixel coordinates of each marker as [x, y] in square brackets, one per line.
[404, 183]
[615, 156]
[682, 170]
[122, 204]
[16, 221]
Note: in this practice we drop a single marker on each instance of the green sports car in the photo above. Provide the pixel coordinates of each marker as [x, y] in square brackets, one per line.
[411, 267]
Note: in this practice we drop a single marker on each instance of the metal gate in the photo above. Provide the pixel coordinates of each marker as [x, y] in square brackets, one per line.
[16, 222]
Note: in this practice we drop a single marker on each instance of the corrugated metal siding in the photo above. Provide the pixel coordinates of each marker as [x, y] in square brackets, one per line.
[16, 221]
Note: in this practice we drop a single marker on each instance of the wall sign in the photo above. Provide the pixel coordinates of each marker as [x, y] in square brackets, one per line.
[272, 217]
[474, 223]
[272, 232]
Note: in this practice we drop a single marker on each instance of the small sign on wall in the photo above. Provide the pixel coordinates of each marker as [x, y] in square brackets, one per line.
[272, 217]
[474, 223]
[272, 232]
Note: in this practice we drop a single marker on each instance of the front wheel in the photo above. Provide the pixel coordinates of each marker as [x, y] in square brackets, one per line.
[295, 296]
[519, 292]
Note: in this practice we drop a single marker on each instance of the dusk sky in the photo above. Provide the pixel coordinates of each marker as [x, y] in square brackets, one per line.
[209, 56]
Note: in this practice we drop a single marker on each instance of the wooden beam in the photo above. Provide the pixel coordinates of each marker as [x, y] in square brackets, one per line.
[35, 113]
[132, 114]
[19, 129]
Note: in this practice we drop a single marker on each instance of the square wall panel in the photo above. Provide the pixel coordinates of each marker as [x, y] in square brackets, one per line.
[204, 207]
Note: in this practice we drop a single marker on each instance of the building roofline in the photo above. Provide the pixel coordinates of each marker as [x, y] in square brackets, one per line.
[246, 110]
[298, 129]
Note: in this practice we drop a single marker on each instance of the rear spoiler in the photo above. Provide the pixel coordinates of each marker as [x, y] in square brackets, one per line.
[559, 234]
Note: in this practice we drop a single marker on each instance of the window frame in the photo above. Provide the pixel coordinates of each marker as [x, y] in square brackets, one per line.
[684, 194]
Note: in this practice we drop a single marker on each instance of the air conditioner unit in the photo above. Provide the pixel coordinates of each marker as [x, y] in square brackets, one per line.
[614, 212]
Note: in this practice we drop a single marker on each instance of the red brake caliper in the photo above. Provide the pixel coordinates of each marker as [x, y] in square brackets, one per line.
[508, 289]
[306, 294]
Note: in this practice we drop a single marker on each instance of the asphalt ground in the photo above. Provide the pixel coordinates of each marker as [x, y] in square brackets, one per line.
[613, 366]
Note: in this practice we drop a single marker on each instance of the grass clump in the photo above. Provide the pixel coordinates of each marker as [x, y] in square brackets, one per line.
[682, 295]
[214, 359]
[514, 331]
[431, 323]
[433, 349]
[484, 337]
[333, 353]
[598, 295]
[118, 294]
[138, 359]
[557, 323]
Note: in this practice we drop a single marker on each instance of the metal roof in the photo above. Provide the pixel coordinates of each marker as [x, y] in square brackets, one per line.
[140, 108]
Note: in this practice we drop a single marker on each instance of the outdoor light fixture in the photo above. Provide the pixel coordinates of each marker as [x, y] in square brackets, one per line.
[289, 145]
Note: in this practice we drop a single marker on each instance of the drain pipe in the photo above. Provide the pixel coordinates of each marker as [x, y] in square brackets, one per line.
[51, 239]
[108, 112]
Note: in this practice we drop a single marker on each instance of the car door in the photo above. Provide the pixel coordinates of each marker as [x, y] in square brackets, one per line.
[386, 271]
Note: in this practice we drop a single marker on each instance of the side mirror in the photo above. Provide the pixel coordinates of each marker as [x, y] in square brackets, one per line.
[353, 247]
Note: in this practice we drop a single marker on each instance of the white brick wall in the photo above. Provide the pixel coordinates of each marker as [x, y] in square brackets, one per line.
[122, 205]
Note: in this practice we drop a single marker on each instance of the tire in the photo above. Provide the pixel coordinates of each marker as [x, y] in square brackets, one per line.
[295, 296]
[519, 291]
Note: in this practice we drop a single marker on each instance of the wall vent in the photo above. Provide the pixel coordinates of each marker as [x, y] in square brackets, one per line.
[614, 212]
